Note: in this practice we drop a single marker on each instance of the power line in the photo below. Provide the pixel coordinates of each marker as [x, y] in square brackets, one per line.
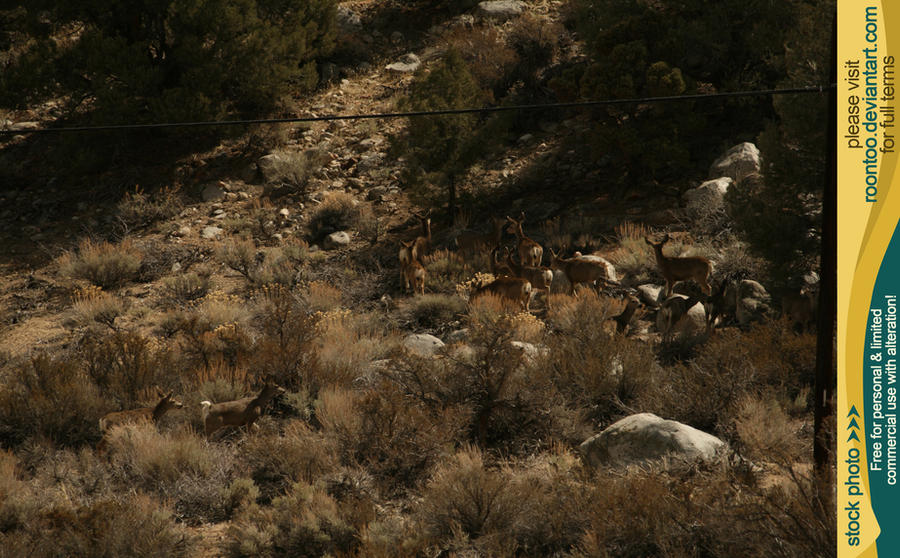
[423, 113]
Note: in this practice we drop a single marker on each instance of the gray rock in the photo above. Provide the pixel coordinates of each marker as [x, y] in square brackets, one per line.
[645, 437]
[422, 344]
[737, 163]
[709, 196]
[269, 165]
[336, 240]
[752, 302]
[651, 295]
[211, 232]
[500, 9]
[407, 64]
[213, 193]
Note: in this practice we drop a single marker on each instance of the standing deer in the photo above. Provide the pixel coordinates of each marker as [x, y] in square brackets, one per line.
[624, 318]
[423, 242]
[511, 288]
[133, 416]
[473, 241]
[799, 306]
[578, 270]
[413, 271]
[530, 252]
[540, 277]
[242, 412]
[676, 269]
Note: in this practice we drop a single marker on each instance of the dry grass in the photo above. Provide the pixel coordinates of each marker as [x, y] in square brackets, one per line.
[94, 305]
[102, 263]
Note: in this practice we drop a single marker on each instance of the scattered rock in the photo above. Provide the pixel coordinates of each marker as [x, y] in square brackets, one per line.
[407, 64]
[336, 240]
[422, 344]
[646, 437]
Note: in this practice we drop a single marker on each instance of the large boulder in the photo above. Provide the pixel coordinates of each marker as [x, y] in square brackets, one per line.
[651, 295]
[709, 196]
[752, 302]
[500, 9]
[737, 163]
[671, 322]
[422, 344]
[645, 437]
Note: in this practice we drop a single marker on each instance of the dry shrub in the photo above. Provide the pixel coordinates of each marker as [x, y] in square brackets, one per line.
[305, 522]
[103, 264]
[93, 305]
[447, 269]
[298, 454]
[49, 398]
[123, 364]
[344, 349]
[130, 526]
[154, 460]
[486, 54]
[238, 254]
[594, 369]
[188, 286]
[320, 296]
[765, 431]
[286, 348]
[632, 256]
[138, 209]
[338, 211]
[381, 429]
[431, 312]
[295, 168]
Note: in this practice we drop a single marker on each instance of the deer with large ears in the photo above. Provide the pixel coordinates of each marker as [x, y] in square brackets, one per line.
[242, 412]
[530, 252]
[413, 271]
[133, 416]
[676, 269]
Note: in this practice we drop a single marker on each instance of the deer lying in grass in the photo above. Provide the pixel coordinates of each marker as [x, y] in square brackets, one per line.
[134, 416]
[242, 412]
[676, 269]
[530, 252]
[511, 288]
[472, 242]
[413, 271]
[540, 277]
[578, 270]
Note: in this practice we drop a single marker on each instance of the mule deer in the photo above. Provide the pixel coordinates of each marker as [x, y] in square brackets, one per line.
[242, 412]
[530, 252]
[498, 268]
[413, 271]
[578, 270]
[423, 242]
[133, 416]
[540, 277]
[676, 269]
[799, 306]
[511, 288]
[671, 311]
[474, 241]
[624, 318]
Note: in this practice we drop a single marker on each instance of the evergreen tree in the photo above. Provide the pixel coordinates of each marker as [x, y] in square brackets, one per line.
[439, 148]
[163, 60]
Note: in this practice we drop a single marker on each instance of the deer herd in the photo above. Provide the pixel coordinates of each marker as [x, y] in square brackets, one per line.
[518, 280]
[515, 281]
